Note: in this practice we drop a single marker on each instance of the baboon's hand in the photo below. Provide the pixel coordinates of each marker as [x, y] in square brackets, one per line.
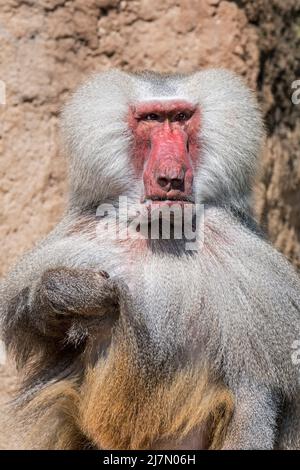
[64, 294]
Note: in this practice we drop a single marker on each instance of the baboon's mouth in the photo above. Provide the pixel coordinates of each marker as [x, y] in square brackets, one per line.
[157, 202]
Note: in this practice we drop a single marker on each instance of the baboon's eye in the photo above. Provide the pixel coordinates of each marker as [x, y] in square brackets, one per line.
[183, 116]
[152, 117]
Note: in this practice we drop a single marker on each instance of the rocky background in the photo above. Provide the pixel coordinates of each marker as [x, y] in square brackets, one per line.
[47, 47]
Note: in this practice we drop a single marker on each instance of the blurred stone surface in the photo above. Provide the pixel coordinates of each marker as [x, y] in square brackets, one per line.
[47, 47]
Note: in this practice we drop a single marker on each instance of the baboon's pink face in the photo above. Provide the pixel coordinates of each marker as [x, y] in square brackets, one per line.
[166, 149]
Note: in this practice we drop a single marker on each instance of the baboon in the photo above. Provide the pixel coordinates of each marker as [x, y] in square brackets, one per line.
[137, 342]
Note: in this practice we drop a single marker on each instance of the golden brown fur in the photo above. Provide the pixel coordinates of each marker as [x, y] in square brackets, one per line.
[161, 420]
[118, 411]
[116, 408]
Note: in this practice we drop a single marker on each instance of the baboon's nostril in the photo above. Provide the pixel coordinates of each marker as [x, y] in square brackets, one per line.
[163, 181]
[177, 183]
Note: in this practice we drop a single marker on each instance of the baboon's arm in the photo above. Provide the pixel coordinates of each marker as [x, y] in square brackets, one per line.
[57, 283]
[253, 424]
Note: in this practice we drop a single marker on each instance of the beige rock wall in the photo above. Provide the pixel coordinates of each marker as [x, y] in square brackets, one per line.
[47, 47]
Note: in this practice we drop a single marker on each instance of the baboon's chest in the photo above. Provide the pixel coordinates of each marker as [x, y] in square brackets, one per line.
[168, 295]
